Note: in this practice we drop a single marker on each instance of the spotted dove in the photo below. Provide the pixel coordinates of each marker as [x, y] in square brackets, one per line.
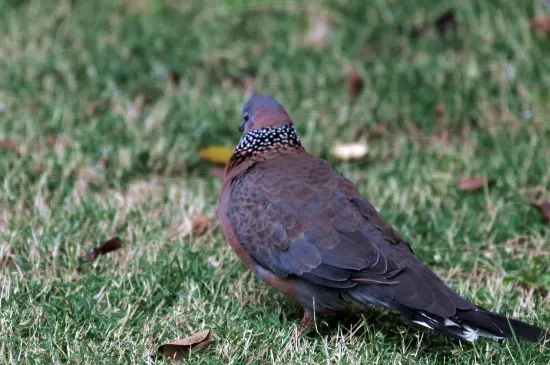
[304, 229]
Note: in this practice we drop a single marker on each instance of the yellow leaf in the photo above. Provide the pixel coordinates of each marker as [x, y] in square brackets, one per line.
[216, 154]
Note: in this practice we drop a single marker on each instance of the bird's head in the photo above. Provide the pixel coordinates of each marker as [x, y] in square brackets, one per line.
[262, 111]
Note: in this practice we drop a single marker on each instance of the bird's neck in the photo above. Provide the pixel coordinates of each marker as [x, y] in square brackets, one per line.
[260, 144]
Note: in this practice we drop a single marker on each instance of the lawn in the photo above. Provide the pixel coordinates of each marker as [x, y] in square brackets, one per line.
[104, 106]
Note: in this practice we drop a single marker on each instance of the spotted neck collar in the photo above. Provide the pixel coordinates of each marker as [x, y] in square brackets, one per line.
[268, 138]
[256, 143]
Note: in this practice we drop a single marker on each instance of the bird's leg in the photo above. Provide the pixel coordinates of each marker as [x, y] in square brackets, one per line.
[308, 316]
[306, 320]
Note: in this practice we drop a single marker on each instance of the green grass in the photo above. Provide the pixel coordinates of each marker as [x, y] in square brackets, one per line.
[144, 84]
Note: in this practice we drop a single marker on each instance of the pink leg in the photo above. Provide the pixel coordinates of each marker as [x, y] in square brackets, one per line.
[305, 321]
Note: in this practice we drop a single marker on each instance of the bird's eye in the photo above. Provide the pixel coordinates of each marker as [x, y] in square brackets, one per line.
[245, 117]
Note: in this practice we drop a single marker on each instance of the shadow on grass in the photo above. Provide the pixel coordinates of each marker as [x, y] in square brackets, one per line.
[390, 324]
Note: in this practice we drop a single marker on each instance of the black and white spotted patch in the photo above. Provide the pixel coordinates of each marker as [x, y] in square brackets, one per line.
[267, 138]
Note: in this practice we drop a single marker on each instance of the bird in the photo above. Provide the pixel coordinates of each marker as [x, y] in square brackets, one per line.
[304, 229]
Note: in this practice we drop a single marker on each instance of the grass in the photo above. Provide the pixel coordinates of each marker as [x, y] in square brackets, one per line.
[108, 102]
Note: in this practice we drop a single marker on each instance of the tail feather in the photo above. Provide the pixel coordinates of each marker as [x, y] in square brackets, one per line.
[500, 325]
[469, 325]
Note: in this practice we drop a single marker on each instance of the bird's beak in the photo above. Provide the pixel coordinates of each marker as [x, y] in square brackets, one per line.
[241, 126]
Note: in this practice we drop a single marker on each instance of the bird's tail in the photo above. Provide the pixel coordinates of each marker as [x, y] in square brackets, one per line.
[471, 324]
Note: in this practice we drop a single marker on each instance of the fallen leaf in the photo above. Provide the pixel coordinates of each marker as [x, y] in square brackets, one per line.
[218, 172]
[544, 207]
[350, 151]
[355, 84]
[6, 144]
[177, 349]
[110, 245]
[201, 224]
[216, 154]
[541, 23]
[472, 183]
[446, 21]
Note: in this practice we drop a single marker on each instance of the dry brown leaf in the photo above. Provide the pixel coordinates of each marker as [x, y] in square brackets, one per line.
[355, 84]
[110, 245]
[541, 23]
[201, 224]
[216, 154]
[177, 349]
[544, 207]
[472, 183]
[350, 151]
[6, 144]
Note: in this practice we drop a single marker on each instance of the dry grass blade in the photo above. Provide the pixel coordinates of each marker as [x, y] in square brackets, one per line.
[110, 245]
[544, 207]
[473, 183]
[176, 350]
